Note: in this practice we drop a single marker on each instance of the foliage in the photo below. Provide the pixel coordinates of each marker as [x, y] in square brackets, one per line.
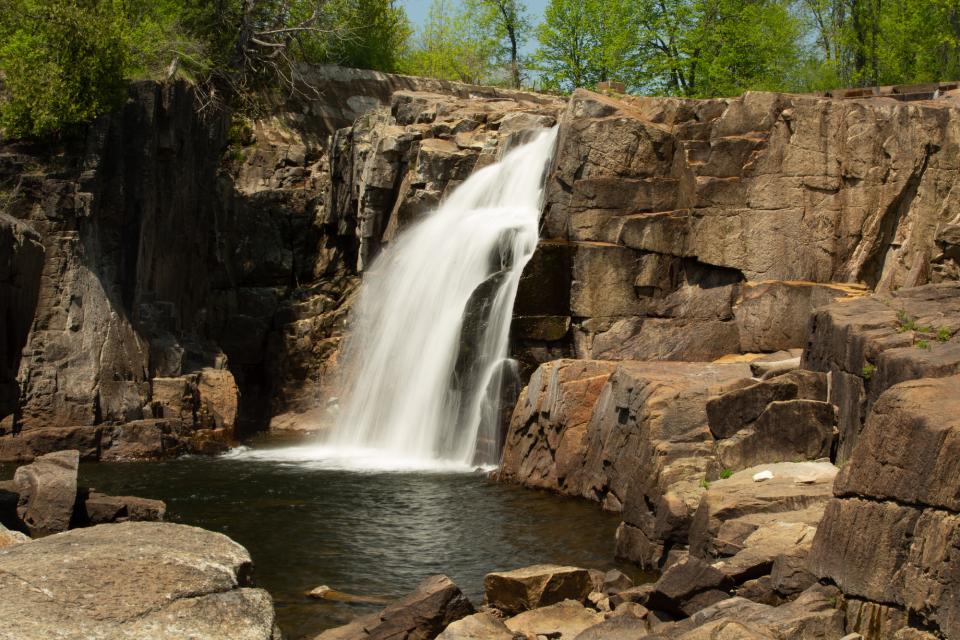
[62, 63]
[905, 322]
[704, 483]
[726, 473]
[944, 334]
[923, 344]
[507, 25]
[868, 370]
[452, 45]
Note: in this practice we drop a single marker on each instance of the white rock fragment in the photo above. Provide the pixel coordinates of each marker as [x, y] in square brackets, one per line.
[763, 475]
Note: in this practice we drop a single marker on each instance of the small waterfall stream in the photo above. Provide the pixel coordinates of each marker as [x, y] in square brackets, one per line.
[417, 377]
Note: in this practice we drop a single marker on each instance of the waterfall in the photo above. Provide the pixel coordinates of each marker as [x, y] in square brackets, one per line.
[422, 383]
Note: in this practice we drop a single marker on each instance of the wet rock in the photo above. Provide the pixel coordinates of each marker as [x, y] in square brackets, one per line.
[99, 508]
[546, 440]
[31, 443]
[92, 583]
[48, 490]
[535, 586]
[615, 581]
[565, 619]
[323, 592]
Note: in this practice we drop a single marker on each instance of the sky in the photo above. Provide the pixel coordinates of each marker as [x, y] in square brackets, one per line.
[417, 12]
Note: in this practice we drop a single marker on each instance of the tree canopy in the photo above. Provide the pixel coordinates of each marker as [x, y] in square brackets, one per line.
[63, 62]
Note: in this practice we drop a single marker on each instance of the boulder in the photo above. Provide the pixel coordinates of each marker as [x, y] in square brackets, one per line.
[479, 626]
[534, 587]
[48, 490]
[99, 508]
[132, 580]
[420, 615]
[9, 538]
[565, 619]
[688, 586]
[619, 627]
[30, 443]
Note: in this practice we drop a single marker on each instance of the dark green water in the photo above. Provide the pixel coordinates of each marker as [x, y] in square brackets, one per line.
[363, 533]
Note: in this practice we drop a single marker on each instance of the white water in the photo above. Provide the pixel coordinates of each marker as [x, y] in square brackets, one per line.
[403, 407]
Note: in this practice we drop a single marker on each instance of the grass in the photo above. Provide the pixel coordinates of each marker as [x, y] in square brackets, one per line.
[726, 473]
[944, 334]
[868, 370]
[704, 484]
[923, 344]
[905, 322]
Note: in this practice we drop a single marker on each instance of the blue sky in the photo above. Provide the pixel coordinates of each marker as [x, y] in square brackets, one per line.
[417, 12]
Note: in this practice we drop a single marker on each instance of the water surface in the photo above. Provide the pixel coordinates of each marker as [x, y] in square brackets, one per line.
[373, 533]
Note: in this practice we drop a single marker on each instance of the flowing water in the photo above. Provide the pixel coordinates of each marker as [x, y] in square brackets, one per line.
[367, 533]
[415, 398]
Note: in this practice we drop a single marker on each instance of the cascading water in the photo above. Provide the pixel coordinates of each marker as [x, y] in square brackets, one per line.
[416, 390]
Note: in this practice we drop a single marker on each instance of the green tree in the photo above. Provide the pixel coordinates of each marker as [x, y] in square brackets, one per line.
[507, 23]
[452, 45]
[63, 63]
[717, 47]
[583, 42]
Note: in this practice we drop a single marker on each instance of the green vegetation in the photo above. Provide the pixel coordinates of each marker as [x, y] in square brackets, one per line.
[923, 344]
[704, 483]
[905, 322]
[63, 62]
[868, 370]
[944, 334]
[726, 473]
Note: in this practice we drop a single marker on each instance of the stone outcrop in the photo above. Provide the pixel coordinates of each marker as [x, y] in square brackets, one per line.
[888, 539]
[870, 344]
[132, 580]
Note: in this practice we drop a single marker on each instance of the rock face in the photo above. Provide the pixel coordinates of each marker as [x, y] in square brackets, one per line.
[132, 580]
[871, 344]
[890, 535]
[21, 262]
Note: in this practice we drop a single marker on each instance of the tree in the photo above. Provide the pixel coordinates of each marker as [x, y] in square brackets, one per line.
[452, 45]
[717, 47]
[583, 42]
[505, 21]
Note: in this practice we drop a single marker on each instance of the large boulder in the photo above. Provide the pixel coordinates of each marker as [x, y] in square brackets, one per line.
[688, 586]
[48, 492]
[132, 580]
[536, 586]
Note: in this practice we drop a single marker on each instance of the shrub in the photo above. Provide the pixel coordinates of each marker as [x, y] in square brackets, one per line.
[868, 370]
[63, 63]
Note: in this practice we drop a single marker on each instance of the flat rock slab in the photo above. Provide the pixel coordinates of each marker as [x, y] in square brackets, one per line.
[536, 586]
[132, 580]
[479, 626]
[564, 620]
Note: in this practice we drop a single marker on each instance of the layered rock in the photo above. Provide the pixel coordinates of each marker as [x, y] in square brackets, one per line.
[677, 216]
[868, 345]
[888, 539]
[132, 580]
